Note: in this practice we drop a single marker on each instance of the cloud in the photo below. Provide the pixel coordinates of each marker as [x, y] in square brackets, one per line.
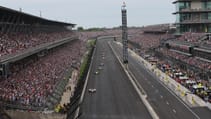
[93, 13]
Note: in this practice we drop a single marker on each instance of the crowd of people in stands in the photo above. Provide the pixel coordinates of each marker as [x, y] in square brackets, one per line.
[147, 41]
[12, 43]
[31, 85]
[192, 37]
[90, 34]
[198, 39]
[194, 61]
[158, 28]
[187, 78]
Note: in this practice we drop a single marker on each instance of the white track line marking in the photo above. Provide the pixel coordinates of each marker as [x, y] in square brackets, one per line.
[174, 111]
[167, 102]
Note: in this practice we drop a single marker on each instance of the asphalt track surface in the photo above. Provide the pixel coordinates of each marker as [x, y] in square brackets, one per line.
[115, 97]
[164, 102]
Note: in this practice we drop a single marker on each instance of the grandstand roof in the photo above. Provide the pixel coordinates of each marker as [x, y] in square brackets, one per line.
[27, 18]
[28, 52]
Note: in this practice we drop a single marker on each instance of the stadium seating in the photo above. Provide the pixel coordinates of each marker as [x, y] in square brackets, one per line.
[32, 84]
[16, 42]
[191, 37]
[189, 60]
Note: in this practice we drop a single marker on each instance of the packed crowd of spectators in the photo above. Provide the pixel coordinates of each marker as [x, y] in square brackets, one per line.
[194, 61]
[147, 41]
[89, 34]
[16, 42]
[93, 34]
[192, 37]
[159, 27]
[31, 85]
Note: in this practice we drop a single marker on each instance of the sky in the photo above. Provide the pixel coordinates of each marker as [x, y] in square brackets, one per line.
[98, 13]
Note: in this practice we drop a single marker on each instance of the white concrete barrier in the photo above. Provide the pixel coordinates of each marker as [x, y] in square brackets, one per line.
[209, 105]
[85, 85]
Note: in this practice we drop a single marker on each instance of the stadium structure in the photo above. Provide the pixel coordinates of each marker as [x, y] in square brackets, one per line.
[19, 22]
[193, 16]
[24, 39]
[36, 55]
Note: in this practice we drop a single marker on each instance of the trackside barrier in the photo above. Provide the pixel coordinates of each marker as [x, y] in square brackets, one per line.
[182, 92]
[77, 113]
[209, 105]
[193, 100]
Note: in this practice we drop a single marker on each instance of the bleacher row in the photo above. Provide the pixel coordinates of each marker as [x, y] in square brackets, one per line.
[192, 37]
[31, 85]
[189, 60]
[35, 54]
[160, 28]
[148, 41]
[38, 83]
[17, 42]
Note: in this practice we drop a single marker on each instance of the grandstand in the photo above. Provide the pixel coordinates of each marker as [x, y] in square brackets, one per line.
[20, 32]
[35, 54]
[157, 29]
[192, 55]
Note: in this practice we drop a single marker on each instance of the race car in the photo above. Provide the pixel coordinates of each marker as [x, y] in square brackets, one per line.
[92, 90]
[101, 64]
[96, 73]
[100, 68]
